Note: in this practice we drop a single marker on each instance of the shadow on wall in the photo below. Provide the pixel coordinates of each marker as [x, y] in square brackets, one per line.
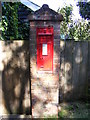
[15, 77]
[73, 70]
[16, 82]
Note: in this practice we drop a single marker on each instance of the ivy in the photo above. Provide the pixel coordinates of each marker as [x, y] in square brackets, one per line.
[12, 27]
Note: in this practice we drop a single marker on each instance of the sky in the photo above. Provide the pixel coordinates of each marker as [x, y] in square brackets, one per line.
[55, 4]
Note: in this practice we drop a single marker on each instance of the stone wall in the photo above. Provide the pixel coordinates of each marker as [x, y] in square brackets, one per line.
[14, 77]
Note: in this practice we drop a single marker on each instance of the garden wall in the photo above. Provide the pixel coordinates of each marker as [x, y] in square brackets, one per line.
[15, 77]
[14, 68]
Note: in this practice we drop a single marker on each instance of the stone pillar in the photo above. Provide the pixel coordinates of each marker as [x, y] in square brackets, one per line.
[45, 84]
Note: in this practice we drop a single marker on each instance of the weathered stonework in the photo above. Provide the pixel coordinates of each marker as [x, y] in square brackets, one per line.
[45, 85]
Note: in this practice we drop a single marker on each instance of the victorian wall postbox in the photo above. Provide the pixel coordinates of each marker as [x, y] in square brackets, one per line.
[45, 49]
[44, 61]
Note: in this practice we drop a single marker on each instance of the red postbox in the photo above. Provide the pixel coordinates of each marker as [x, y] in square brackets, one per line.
[45, 49]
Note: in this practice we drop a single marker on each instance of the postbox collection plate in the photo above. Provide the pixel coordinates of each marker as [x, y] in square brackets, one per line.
[45, 49]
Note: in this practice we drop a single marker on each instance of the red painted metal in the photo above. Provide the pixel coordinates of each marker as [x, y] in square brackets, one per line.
[45, 36]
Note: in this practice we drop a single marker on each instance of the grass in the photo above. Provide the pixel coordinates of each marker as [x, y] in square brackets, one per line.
[74, 110]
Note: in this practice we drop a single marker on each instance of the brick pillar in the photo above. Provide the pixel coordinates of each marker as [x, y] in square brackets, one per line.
[45, 84]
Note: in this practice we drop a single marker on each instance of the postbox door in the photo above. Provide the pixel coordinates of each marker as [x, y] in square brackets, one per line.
[45, 51]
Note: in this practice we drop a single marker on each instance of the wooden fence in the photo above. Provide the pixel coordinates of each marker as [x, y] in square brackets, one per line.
[74, 59]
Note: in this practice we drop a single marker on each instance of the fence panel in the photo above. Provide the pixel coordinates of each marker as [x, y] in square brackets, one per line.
[83, 82]
[75, 62]
[68, 69]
